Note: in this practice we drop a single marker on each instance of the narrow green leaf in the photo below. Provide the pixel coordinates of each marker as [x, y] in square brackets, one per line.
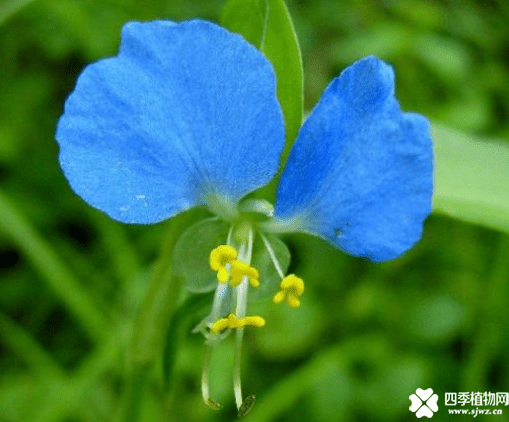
[471, 179]
[24, 345]
[267, 24]
[54, 272]
[248, 18]
[282, 48]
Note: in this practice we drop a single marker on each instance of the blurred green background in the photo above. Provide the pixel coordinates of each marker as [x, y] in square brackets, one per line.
[366, 336]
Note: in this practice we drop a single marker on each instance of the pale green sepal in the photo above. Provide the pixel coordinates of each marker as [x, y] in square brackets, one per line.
[191, 254]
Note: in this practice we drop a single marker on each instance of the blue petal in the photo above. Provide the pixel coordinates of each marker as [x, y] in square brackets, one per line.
[184, 114]
[360, 172]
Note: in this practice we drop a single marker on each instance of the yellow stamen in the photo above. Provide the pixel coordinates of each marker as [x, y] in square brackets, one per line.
[293, 301]
[291, 281]
[279, 296]
[233, 322]
[219, 257]
[223, 275]
[240, 269]
[219, 325]
[255, 321]
[292, 288]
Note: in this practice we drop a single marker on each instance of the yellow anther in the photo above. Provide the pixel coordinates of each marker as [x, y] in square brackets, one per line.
[219, 325]
[292, 282]
[240, 269]
[233, 322]
[293, 301]
[223, 275]
[255, 321]
[279, 296]
[219, 257]
[292, 288]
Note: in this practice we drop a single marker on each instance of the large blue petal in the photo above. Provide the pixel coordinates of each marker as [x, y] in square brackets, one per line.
[360, 172]
[186, 113]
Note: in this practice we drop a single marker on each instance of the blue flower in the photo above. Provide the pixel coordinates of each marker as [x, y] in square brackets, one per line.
[186, 115]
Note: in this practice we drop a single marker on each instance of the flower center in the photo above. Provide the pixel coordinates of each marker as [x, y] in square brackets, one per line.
[236, 275]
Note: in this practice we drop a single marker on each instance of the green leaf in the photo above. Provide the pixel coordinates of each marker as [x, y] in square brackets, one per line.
[282, 49]
[248, 18]
[267, 24]
[471, 179]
